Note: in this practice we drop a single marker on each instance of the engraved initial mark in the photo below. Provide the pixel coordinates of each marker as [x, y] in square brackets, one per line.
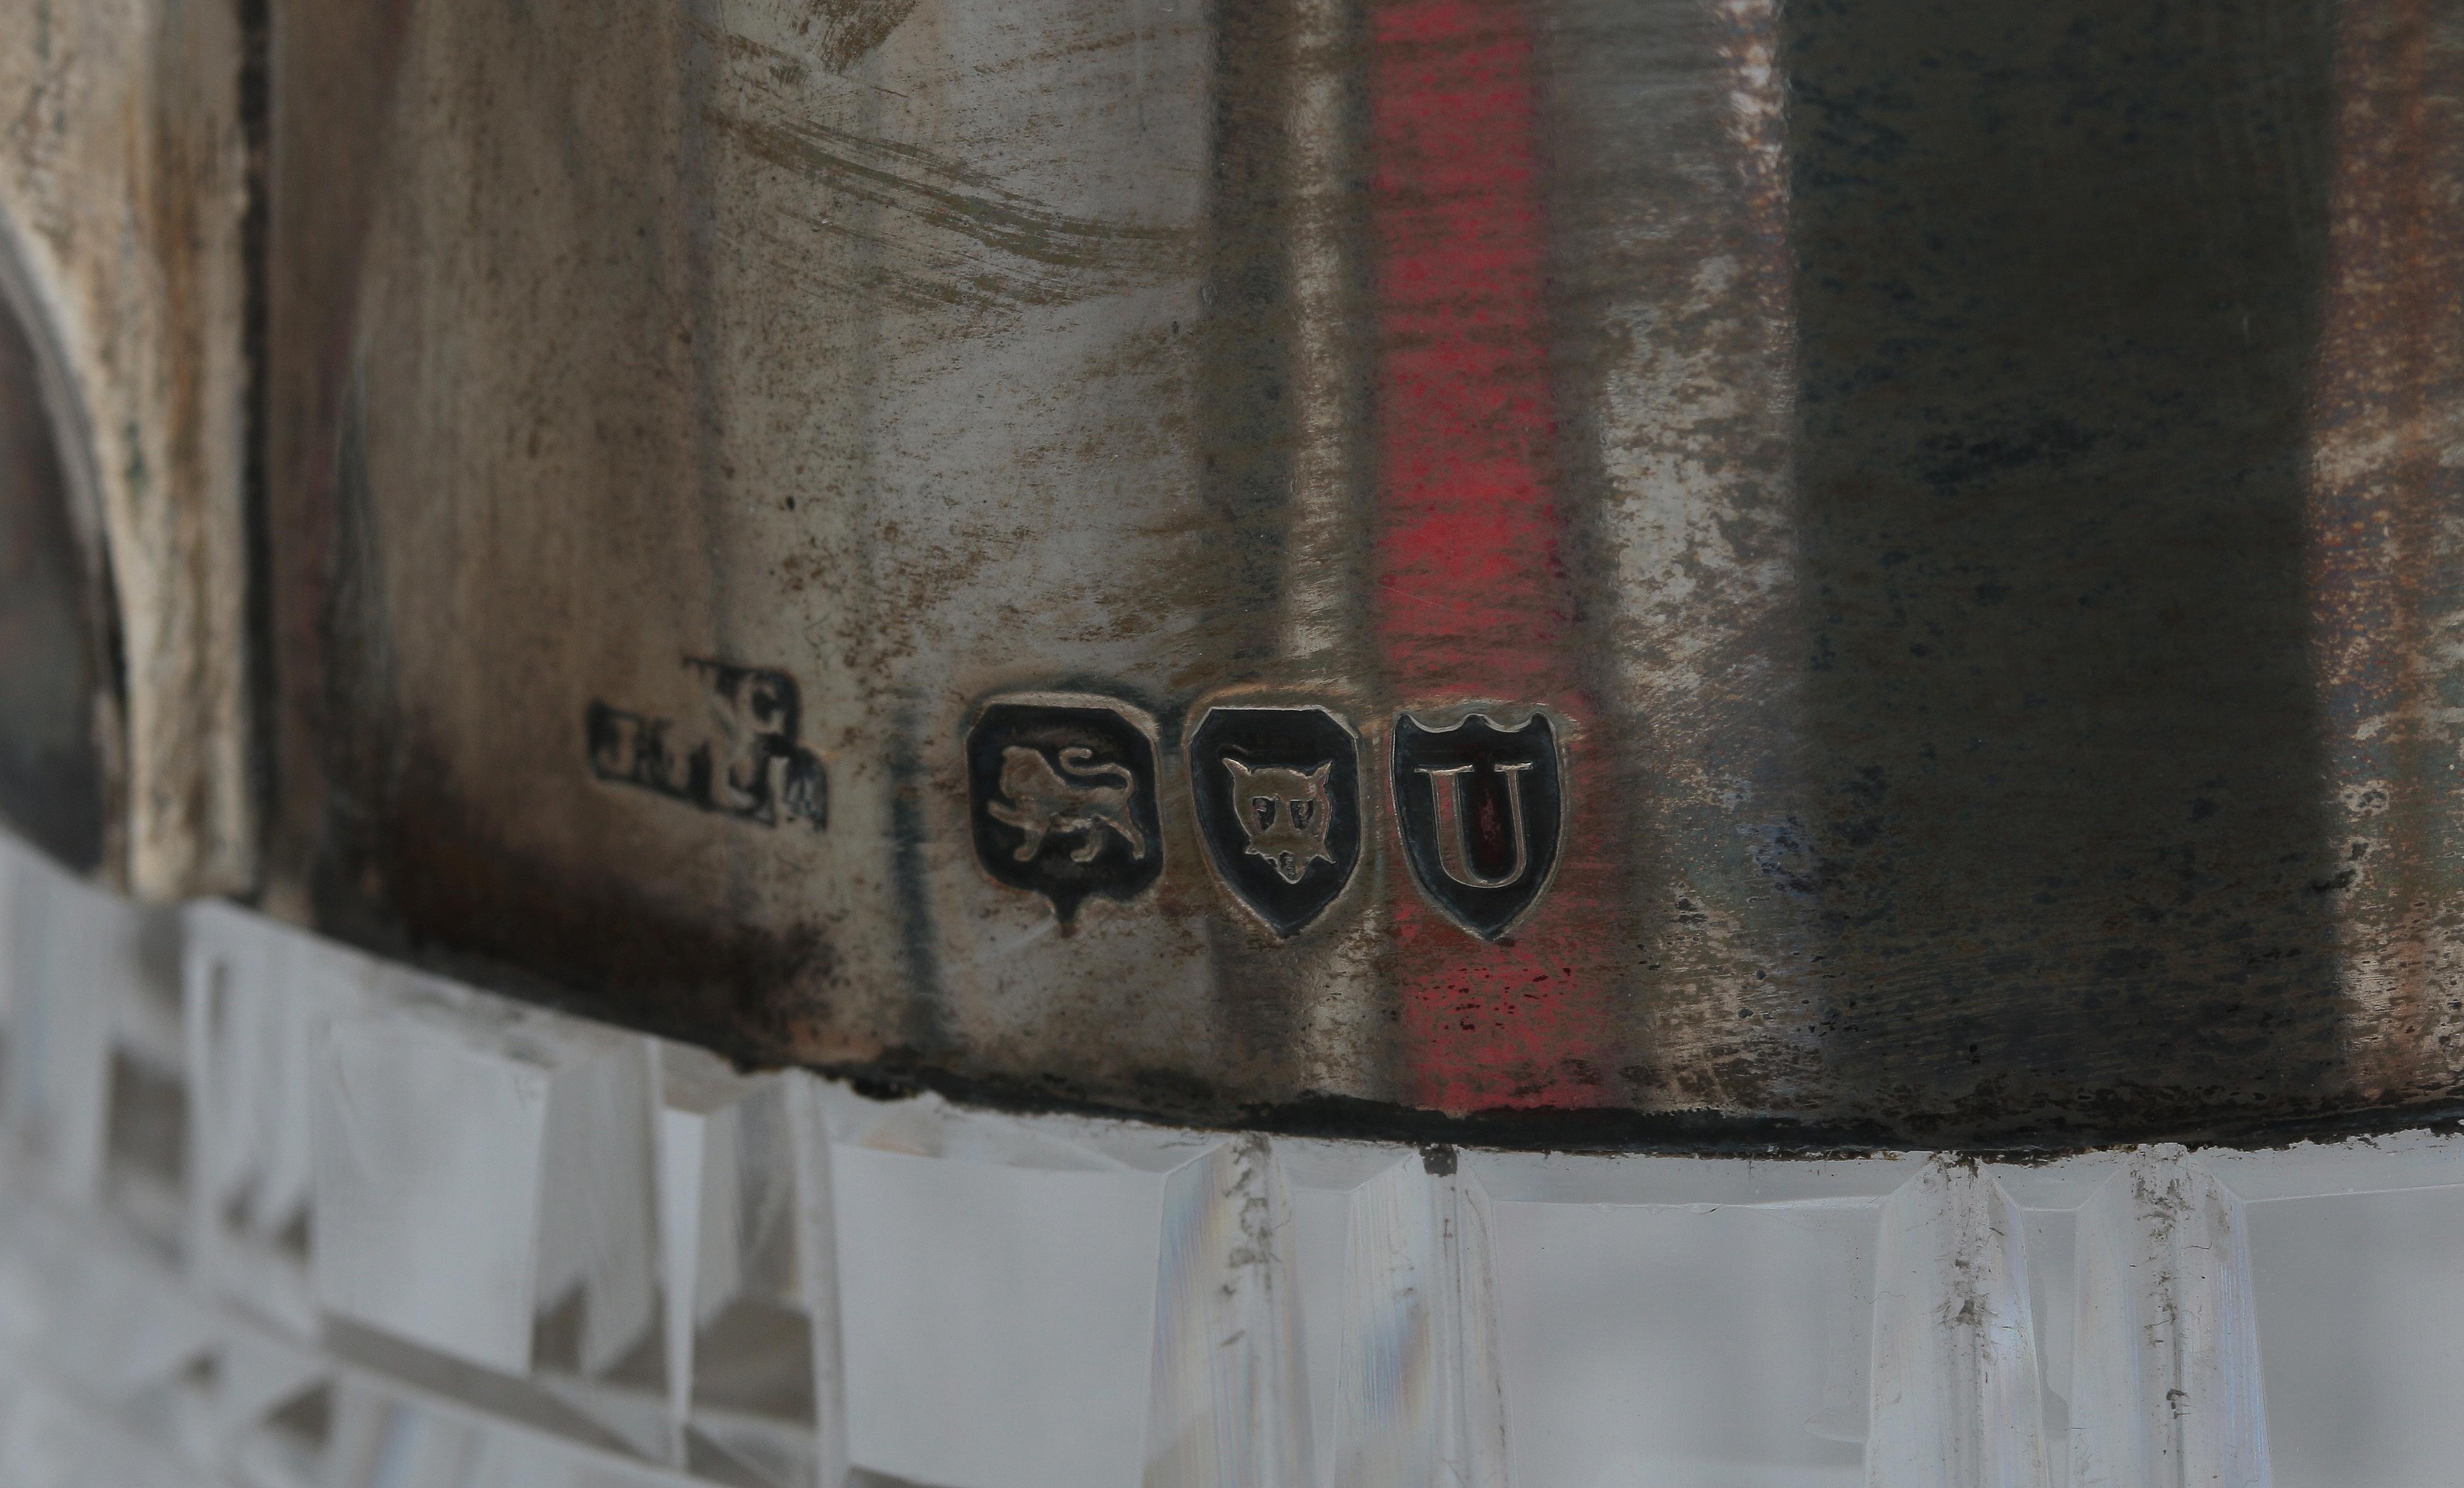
[1454, 849]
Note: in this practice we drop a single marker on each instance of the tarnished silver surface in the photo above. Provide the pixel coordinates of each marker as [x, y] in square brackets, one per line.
[1969, 487]
[1937, 523]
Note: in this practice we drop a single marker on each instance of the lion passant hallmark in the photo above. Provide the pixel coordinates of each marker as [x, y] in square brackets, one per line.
[1062, 797]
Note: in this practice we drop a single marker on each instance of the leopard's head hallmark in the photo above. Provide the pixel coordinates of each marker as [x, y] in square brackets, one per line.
[1285, 814]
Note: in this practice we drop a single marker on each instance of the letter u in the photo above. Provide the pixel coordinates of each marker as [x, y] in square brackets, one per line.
[1454, 849]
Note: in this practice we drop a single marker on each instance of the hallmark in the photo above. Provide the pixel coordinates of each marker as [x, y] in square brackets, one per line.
[1480, 810]
[1278, 797]
[743, 761]
[1062, 797]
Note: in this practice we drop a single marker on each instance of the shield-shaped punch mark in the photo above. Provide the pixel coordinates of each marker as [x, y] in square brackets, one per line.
[1278, 797]
[1481, 811]
[1062, 797]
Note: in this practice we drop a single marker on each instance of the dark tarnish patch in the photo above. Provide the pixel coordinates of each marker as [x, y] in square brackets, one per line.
[2059, 715]
[439, 888]
[352, 59]
[2123, 1119]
